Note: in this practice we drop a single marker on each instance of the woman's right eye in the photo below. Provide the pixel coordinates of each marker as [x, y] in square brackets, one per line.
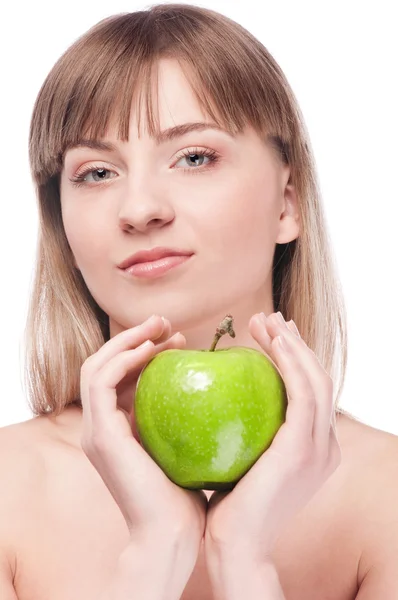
[81, 178]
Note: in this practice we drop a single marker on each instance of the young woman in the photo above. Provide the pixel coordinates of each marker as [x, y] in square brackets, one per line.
[167, 132]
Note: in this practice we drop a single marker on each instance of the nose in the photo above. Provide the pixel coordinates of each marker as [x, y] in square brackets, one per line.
[143, 209]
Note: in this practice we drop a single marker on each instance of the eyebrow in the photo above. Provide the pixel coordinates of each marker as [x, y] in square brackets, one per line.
[164, 136]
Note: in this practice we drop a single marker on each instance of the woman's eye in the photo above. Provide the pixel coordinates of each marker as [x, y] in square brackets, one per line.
[98, 174]
[193, 159]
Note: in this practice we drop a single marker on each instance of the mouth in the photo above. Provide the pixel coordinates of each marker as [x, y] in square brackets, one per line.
[156, 268]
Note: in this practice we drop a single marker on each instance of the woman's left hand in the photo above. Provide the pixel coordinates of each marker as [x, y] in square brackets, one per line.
[304, 453]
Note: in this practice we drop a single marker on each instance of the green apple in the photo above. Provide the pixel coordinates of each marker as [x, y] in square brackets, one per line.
[206, 416]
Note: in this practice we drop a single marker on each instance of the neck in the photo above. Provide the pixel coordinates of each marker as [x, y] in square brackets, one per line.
[201, 337]
[199, 324]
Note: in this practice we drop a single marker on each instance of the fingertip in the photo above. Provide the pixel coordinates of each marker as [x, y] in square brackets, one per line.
[179, 337]
[155, 318]
[293, 328]
[259, 318]
[145, 345]
[259, 330]
[162, 328]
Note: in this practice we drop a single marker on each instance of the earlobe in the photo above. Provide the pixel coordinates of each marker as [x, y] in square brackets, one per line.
[75, 264]
[289, 224]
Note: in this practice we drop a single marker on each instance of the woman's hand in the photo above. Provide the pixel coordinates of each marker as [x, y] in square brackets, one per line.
[305, 452]
[154, 507]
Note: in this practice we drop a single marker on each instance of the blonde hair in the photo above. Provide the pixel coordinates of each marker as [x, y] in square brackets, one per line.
[237, 82]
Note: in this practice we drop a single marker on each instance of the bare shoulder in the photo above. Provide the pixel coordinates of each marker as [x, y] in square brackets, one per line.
[26, 451]
[20, 451]
[21, 469]
[372, 462]
[21, 473]
[370, 455]
[370, 450]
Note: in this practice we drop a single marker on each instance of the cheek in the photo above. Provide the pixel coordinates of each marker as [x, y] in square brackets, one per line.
[243, 213]
[87, 238]
[239, 238]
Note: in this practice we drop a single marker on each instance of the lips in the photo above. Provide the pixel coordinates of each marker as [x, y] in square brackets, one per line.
[154, 254]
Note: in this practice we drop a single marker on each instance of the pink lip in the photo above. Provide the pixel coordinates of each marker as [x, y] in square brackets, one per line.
[156, 268]
[144, 256]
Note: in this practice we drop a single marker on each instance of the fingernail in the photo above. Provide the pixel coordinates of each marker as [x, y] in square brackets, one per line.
[282, 343]
[154, 316]
[145, 345]
[293, 327]
[263, 318]
[178, 333]
[280, 318]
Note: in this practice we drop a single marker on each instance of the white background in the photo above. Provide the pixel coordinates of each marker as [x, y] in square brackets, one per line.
[341, 60]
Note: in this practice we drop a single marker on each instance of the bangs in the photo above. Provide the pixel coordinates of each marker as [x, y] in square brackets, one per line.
[113, 67]
[110, 109]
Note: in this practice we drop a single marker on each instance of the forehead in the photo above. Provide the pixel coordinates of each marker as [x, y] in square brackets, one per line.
[164, 107]
[169, 100]
[175, 96]
[160, 99]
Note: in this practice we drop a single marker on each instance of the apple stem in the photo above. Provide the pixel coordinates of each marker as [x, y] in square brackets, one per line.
[224, 327]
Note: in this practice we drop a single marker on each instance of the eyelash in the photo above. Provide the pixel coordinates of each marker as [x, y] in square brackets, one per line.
[78, 179]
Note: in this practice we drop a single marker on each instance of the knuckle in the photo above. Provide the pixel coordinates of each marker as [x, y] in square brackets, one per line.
[306, 398]
[95, 442]
[85, 444]
[304, 457]
[94, 385]
[98, 443]
[98, 382]
[329, 385]
[87, 366]
[335, 454]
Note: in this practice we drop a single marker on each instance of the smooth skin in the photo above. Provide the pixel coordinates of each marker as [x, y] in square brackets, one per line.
[303, 455]
[142, 491]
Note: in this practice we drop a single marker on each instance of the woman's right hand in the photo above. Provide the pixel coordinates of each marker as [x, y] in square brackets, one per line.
[152, 505]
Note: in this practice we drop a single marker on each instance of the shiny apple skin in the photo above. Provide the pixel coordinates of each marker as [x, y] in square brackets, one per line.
[206, 417]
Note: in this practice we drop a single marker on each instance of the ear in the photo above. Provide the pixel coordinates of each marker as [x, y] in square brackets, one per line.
[289, 222]
[75, 264]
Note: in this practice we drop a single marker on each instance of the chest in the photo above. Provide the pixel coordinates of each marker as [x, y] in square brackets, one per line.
[71, 544]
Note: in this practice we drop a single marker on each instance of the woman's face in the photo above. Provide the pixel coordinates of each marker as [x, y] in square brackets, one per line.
[229, 205]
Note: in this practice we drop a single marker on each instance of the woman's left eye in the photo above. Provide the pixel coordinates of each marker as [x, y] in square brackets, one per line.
[194, 158]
